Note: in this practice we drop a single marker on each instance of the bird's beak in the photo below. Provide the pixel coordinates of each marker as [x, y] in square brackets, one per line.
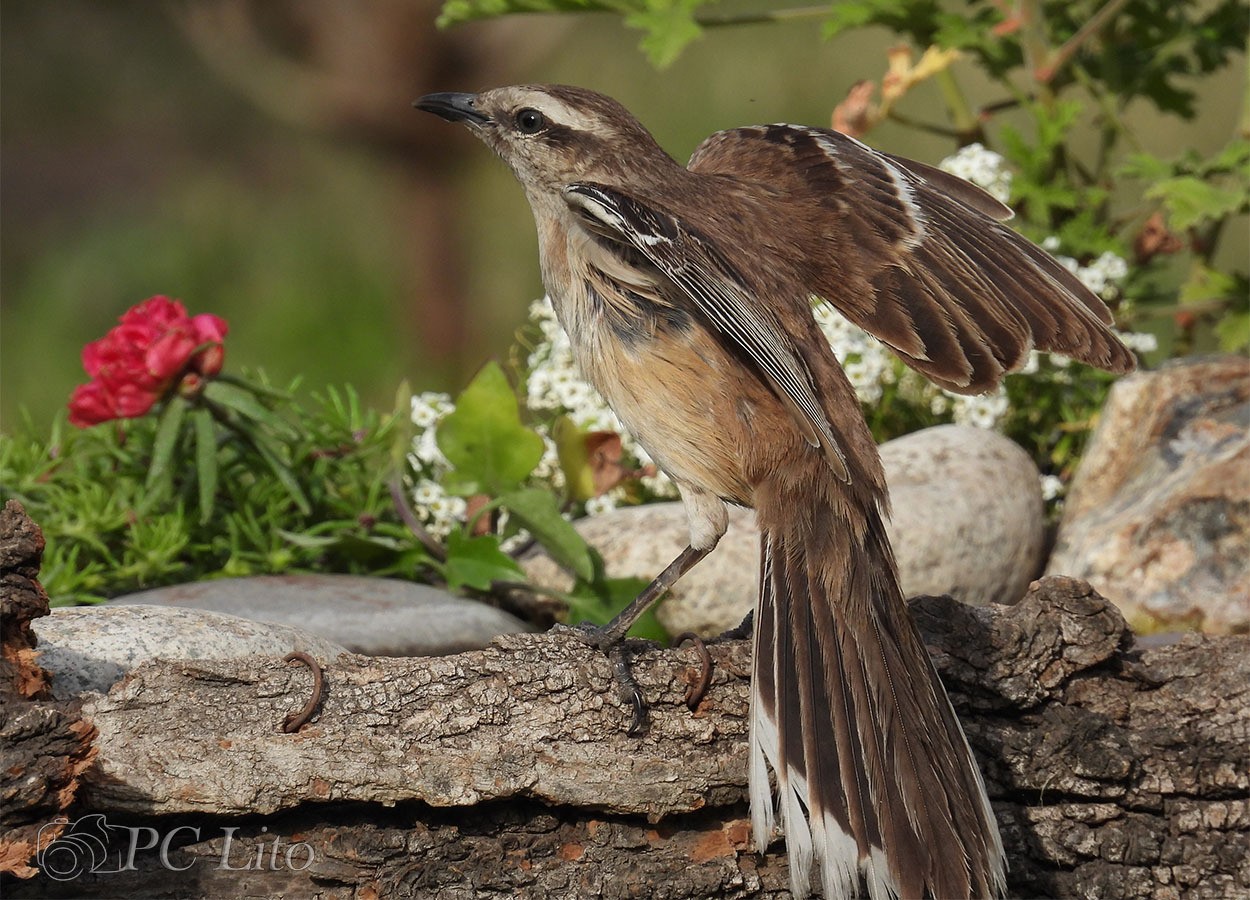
[453, 107]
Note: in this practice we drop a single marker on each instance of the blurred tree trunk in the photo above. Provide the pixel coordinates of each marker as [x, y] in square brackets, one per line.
[352, 70]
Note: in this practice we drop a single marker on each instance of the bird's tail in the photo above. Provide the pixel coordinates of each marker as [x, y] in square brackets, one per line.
[874, 775]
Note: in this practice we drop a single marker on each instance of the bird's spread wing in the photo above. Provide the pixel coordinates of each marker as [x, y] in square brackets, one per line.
[918, 257]
[703, 275]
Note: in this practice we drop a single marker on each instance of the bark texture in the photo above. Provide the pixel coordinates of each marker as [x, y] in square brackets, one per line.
[44, 746]
[1115, 771]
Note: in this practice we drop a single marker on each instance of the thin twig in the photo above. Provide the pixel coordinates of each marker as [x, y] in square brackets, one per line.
[760, 18]
[1059, 58]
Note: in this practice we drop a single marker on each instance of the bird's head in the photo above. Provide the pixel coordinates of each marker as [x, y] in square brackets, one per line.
[552, 135]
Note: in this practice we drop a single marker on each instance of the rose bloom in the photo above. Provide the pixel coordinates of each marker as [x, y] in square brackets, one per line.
[144, 358]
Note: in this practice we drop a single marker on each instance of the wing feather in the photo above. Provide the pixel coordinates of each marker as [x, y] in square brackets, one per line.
[919, 258]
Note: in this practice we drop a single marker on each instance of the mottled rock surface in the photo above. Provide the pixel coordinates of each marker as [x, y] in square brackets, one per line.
[1158, 517]
[91, 648]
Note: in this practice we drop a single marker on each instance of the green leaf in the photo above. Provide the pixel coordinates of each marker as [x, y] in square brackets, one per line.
[205, 461]
[244, 402]
[477, 562]
[281, 471]
[670, 27]
[1233, 331]
[163, 447]
[579, 477]
[1190, 200]
[1205, 285]
[536, 510]
[1234, 157]
[490, 450]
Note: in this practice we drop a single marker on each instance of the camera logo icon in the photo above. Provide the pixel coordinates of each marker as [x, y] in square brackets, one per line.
[82, 847]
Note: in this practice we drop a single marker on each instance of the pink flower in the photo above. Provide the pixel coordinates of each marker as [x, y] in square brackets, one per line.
[143, 359]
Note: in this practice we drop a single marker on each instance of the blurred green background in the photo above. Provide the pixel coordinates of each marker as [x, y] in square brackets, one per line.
[262, 161]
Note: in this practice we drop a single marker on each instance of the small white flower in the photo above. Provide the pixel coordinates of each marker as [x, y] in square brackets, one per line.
[1052, 487]
[1050, 243]
[427, 493]
[597, 506]
[983, 411]
[516, 542]
[984, 168]
[1140, 341]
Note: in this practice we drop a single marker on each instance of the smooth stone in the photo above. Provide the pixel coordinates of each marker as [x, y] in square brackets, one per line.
[90, 648]
[373, 616]
[968, 521]
[1158, 515]
[968, 515]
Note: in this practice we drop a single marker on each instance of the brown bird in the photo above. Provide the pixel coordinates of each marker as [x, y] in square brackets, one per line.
[686, 293]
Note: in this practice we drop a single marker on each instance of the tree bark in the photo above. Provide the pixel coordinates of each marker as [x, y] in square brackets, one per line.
[1115, 771]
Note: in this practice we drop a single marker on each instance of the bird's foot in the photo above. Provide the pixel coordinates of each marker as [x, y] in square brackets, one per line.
[620, 653]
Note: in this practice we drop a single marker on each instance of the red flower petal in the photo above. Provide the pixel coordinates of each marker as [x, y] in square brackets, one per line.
[169, 355]
[208, 327]
[89, 405]
[208, 362]
[131, 401]
[159, 312]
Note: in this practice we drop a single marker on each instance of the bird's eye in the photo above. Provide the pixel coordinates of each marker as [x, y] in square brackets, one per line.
[530, 121]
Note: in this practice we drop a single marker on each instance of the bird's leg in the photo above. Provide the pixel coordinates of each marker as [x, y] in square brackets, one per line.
[708, 521]
[614, 632]
[610, 638]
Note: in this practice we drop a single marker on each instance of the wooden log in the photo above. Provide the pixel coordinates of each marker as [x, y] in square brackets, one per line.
[1115, 770]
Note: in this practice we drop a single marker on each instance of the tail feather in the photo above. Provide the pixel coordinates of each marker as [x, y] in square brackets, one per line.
[874, 774]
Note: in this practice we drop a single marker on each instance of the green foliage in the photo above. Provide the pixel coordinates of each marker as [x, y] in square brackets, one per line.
[598, 604]
[243, 479]
[214, 506]
[478, 562]
[670, 25]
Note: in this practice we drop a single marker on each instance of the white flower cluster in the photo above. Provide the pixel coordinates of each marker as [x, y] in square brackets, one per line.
[1052, 487]
[984, 168]
[868, 364]
[870, 367]
[438, 511]
[1104, 276]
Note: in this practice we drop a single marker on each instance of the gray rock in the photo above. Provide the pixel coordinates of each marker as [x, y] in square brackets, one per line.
[968, 514]
[90, 648]
[373, 616]
[967, 521]
[1158, 516]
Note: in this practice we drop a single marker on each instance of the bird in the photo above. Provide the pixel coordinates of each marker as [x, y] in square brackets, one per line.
[687, 294]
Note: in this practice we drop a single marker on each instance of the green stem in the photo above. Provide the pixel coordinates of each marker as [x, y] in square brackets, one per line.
[967, 125]
[926, 127]
[1036, 48]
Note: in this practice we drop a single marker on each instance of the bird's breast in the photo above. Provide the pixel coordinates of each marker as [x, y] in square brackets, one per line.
[700, 414]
